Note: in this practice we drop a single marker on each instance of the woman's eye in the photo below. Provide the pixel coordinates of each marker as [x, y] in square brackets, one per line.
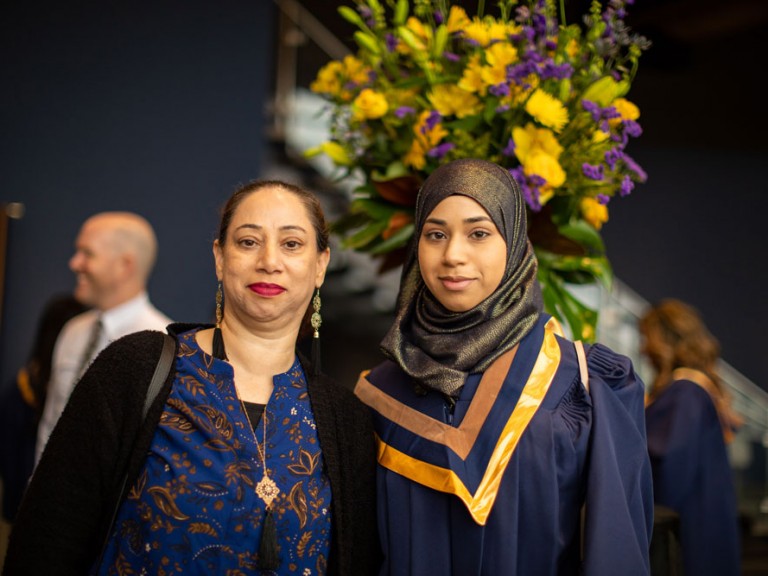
[434, 235]
[247, 242]
[480, 234]
[292, 244]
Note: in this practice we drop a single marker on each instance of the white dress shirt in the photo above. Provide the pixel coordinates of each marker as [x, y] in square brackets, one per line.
[132, 316]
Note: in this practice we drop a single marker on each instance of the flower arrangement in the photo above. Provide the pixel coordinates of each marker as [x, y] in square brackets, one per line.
[429, 84]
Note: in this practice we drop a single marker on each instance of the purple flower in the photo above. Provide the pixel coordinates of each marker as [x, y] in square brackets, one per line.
[503, 108]
[612, 156]
[451, 56]
[390, 41]
[441, 150]
[635, 167]
[603, 199]
[592, 172]
[626, 186]
[404, 111]
[432, 120]
[499, 90]
[509, 149]
[529, 187]
[632, 128]
[438, 17]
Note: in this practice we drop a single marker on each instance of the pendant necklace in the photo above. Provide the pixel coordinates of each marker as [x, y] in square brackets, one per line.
[265, 489]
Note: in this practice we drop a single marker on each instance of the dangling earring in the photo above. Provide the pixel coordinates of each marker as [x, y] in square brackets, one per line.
[218, 340]
[219, 300]
[316, 320]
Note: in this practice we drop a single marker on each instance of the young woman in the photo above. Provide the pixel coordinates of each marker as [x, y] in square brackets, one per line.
[249, 462]
[502, 448]
[689, 421]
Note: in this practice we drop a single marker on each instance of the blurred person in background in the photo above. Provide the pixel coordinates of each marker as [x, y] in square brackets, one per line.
[689, 421]
[114, 256]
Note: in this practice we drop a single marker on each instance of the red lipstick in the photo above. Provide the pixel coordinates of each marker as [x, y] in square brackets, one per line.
[266, 289]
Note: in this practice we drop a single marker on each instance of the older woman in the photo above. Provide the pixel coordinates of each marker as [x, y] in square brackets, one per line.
[689, 421]
[249, 461]
[503, 448]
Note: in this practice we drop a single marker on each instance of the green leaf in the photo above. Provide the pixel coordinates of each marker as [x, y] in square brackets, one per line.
[367, 42]
[376, 209]
[360, 239]
[586, 235]
[352, 17]
[401, 13]
[398, 239]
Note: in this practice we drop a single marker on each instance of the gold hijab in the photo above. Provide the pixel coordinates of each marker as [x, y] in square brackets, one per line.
[439, 348]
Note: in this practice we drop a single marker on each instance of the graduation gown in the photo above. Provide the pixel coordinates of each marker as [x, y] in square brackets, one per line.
[692, 475]
[529, 473]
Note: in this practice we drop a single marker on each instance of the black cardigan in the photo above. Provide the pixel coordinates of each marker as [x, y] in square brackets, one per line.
[67, 508]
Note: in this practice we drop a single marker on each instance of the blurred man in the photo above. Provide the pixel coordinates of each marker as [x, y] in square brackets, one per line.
[114, 256]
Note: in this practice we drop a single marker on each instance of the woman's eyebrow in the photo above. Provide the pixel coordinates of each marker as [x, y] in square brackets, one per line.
[287, 227]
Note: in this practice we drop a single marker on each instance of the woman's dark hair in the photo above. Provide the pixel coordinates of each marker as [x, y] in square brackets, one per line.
[310, 201]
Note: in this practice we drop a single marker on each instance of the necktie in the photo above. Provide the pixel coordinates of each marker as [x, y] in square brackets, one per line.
[90, 348]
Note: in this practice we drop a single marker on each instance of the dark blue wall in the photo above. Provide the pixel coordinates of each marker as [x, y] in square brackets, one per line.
[154, 107]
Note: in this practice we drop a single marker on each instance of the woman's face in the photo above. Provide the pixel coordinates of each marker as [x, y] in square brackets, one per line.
[270, 266]
[462, 255]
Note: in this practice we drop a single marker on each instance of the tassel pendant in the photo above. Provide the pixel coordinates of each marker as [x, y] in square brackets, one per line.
[269, 558]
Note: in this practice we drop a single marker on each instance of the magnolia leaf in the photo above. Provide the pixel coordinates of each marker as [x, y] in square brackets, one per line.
[398, 239]
[586, 235]
[377, 210]
[362, 238]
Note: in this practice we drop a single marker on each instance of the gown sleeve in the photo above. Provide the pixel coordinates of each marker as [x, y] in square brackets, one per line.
[619, 500]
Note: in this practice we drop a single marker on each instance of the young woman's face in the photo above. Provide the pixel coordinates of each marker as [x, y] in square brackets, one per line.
[462, 255]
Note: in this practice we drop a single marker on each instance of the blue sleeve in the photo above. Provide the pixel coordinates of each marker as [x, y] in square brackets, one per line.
[619, 500]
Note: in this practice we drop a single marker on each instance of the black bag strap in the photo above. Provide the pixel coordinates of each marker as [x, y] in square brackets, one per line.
[159, 377]
[162, 370]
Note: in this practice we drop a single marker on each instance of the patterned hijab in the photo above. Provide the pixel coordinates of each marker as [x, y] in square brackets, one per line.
[439, 348]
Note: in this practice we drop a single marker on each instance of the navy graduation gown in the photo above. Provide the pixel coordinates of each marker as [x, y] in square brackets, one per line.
[497, 485]
[692, 475]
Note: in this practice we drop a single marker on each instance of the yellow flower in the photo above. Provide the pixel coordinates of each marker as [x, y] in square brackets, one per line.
[328, 79]
[572, 49]
[457, 19]
[422, 33]
[532, 139]
[594, 212]
[356, 71]
[546, 166]
[472, 78]
[627, 109]
[369, 105]
[501, 54]
[547, 110]
[451, 100]
[478, 31]
[424, 140]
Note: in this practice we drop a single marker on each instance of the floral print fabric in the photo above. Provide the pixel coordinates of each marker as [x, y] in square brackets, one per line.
[194, 510]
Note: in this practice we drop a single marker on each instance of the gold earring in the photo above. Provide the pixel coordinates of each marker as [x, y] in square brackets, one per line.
[219, 301]
[316, 320]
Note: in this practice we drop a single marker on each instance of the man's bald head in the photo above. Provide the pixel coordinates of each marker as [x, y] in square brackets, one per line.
[114, 256]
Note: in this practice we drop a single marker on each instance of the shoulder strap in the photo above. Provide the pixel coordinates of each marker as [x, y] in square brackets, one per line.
[161, 373]
[583, 370]
[159, 376]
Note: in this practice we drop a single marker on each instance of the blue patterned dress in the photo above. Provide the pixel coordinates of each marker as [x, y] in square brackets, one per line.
[194, 510]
